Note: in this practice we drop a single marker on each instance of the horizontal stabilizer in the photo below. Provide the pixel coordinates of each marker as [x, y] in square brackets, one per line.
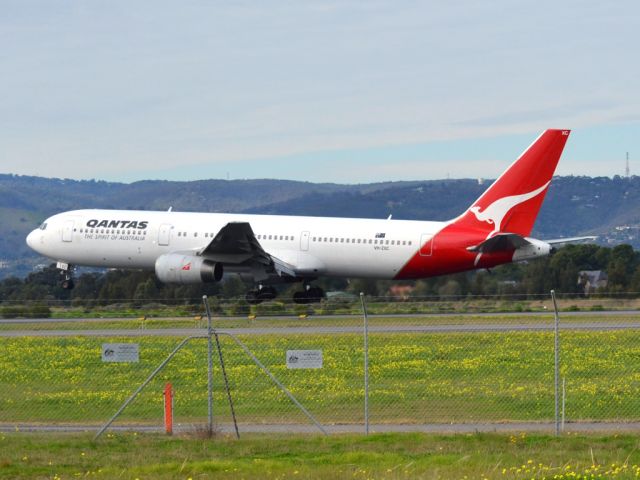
[501, 242]
[561, 242]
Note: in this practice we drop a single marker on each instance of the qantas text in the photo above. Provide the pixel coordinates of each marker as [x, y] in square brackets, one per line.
[140, 225]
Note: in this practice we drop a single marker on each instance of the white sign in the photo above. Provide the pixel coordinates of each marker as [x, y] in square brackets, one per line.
[120, 352]
[304, 358]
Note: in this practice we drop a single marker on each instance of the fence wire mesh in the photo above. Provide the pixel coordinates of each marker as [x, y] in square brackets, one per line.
[435, 366]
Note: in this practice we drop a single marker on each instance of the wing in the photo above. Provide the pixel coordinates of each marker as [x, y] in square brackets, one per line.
[236, 244]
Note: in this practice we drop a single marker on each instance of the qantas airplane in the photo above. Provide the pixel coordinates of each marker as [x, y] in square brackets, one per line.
[270, 249]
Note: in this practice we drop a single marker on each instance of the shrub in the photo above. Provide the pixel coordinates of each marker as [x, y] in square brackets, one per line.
[10, 311]
[38, 310]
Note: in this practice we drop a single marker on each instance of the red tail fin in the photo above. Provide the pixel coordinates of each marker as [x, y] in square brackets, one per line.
[512, 203]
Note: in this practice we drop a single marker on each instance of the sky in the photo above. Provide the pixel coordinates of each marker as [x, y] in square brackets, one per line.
[327, 91]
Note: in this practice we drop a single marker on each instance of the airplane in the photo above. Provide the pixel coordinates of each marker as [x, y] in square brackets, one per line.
[189, 247]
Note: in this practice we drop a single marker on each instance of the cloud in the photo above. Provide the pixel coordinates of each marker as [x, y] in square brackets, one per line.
[106, 90]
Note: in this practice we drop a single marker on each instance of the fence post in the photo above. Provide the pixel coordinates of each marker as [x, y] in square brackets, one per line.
[366, 364]
[556, 351]
[209, 366]
[144, 384]
[168, 409]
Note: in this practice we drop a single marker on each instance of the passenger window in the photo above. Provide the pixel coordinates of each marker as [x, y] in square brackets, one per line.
[393, 242]
[387, 242]
[375, 241]
[281, 237]
[195, 234]
[409, 242]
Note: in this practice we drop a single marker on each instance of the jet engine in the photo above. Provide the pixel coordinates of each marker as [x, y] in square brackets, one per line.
[183, 269]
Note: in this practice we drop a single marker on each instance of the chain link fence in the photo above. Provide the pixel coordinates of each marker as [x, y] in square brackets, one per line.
[435, 366]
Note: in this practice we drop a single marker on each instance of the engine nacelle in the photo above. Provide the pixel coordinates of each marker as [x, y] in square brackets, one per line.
[183, 269]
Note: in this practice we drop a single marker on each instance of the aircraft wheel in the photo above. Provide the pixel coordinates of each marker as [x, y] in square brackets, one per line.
[267, 293]
[315, 294]
[67, 284]
[300, 298]
[252, 297]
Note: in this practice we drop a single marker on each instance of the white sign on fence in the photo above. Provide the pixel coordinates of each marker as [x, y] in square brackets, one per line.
[120, 352]
[304, 358]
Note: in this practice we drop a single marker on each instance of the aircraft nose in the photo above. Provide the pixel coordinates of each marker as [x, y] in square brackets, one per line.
[32, 240]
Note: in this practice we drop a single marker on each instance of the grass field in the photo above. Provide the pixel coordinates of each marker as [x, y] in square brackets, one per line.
[414, 378]
[383, 456]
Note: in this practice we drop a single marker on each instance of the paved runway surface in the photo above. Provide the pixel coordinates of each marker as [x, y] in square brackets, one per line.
[327, 330]
[546, 427]
[604, 313]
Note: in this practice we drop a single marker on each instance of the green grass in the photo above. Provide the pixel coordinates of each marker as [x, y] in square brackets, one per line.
[392, 456]
[414, 378]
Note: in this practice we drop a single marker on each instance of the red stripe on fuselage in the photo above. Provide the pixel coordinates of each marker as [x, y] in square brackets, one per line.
[449, 254]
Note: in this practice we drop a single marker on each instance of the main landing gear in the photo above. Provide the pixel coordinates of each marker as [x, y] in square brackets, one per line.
[308, 295]
[261, 294]
[66, 271]
[265, 293]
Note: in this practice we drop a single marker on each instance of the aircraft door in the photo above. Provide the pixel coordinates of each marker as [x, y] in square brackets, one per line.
[304, 241]
[164, 234]
[426, 244]
[67, 231]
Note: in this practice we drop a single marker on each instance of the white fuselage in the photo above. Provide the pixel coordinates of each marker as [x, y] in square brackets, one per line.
[342, 247]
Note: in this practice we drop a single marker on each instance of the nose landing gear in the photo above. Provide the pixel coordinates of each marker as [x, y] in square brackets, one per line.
[66, 271]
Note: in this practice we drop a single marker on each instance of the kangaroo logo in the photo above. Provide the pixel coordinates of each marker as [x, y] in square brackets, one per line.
[494, 214]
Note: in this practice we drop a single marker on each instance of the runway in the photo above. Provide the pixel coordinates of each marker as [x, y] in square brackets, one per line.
[506, 427]
[605, 313]
[329, 330]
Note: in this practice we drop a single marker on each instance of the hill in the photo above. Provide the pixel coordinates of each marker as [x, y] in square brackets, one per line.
[609, 207]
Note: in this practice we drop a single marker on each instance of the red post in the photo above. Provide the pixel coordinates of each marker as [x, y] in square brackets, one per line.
[168, 408]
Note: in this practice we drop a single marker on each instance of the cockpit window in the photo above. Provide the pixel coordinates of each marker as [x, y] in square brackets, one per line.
[43, 226]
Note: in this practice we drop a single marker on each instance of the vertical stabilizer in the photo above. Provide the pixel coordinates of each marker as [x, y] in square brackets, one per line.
[511, 204]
